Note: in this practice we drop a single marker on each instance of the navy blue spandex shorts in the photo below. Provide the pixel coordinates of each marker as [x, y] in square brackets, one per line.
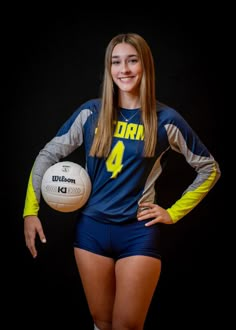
[117, 240]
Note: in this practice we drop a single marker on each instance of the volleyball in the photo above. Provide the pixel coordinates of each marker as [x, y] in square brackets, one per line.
[66, 186]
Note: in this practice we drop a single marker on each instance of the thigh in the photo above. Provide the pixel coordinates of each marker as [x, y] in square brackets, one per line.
[98, 280]
[93, 236]
[136, 280]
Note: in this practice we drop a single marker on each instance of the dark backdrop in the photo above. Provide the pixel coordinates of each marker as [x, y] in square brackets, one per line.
[52, 65]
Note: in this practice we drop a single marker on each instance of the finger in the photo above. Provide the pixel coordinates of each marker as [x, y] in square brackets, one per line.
[150, 223]
[148, 213]
[33, 251]
[42, 237]
[30, 243]
[145, 205]
[31, 246]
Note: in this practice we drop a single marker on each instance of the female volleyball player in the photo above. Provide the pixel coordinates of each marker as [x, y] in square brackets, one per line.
[126, 135]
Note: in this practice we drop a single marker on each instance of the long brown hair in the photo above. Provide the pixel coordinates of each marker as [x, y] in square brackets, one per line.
[109, 101]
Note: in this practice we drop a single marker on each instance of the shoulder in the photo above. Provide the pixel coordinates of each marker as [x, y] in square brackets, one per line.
[86, 109]
[165, 110]
[92, 104]
[169, 115]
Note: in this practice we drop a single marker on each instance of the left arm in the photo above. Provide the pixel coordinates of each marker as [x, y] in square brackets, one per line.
[184, 140]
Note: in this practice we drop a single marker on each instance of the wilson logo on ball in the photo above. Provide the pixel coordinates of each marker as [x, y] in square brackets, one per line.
[62, 178]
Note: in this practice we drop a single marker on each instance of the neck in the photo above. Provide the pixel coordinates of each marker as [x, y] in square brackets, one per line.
[128, 101]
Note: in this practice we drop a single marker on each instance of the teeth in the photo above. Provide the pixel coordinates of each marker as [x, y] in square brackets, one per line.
[124, 79]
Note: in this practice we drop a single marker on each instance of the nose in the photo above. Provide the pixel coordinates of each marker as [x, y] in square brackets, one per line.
[124, 67]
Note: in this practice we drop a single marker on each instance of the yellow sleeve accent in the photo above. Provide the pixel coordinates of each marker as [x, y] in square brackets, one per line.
[192, 198]
[31, 202]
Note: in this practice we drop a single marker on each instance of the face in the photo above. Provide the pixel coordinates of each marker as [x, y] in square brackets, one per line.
[126, 68]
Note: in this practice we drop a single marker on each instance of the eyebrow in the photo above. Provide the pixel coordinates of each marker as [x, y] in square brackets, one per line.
[131, 55]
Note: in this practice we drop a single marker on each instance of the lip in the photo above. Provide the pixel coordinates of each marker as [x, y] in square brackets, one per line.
[125, 79]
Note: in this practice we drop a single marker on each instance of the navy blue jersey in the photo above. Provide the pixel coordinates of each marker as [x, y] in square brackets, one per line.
[125, 178]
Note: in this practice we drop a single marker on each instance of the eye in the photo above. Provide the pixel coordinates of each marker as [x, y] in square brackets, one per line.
[133, 61]
[115, 62]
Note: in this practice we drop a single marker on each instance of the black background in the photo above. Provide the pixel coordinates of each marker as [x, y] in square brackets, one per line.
[51, 64]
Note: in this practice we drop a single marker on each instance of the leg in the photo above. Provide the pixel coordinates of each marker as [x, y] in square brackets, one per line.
[136, 280]
[98, 278]
[95, 327]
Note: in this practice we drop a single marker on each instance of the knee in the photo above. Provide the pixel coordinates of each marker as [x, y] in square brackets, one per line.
[131, 325]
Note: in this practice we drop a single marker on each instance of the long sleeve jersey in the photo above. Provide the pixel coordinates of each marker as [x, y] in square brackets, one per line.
[126, 178]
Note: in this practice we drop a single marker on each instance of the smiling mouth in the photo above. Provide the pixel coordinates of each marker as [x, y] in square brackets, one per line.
[126, 78]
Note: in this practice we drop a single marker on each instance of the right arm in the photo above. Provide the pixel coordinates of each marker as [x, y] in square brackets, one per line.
[68, 138]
